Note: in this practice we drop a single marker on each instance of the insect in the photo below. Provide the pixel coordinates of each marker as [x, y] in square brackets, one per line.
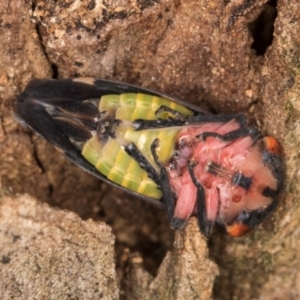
[163, 150]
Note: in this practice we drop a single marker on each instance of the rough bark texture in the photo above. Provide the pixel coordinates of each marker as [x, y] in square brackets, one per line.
[50, 254]
[212, 53]
[185, 273]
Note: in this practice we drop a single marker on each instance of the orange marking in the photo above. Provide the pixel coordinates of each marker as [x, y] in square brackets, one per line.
[238, 229]
[272, 145]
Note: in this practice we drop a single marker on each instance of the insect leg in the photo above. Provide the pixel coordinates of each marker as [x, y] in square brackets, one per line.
[254, 133]
[177, 114]
[205, 225]
[204, 118]
[132, 150]
[168, 195]
[181, 120]
[218, 118]
[141, 124]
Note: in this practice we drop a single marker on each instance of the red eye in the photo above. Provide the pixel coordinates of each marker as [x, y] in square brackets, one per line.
[236, 198]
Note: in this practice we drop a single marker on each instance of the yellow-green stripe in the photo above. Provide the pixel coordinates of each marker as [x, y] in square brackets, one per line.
[111, 159]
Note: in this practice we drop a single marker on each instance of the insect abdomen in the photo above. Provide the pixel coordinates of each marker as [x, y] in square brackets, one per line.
[111, 159]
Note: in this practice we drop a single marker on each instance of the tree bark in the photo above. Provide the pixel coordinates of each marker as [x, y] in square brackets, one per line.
[226, 56]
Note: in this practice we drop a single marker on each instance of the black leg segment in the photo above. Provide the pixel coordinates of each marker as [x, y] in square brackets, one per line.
[233, 135]
[177, 114]
[220, 118]
[168, 196]
[132, 150]
[205, 225]
[141, 124]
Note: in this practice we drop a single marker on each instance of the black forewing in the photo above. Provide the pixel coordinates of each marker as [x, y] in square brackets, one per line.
[31, 112]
